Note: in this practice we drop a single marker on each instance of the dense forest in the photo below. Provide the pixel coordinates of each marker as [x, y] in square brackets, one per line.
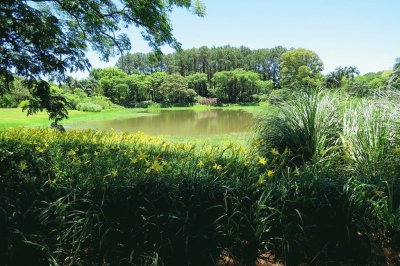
[208, 76]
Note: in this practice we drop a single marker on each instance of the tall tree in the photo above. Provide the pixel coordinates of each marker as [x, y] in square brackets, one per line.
[70, 27]
[300, 68]
[335, 78]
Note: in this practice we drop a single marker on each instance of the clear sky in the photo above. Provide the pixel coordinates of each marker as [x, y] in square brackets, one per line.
[364, 33]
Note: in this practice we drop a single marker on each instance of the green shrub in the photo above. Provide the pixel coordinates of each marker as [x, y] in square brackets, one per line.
[368, 136]
[307, 125]
[260, 97]
[89, 107]
[23, 104]
[104, 102]
[154, 106]
[7, 101]
[88, 197]
[280, 95]
[145, 104]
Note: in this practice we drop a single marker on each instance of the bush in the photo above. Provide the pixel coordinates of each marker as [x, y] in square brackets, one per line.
[207, 101]
[260, 97]
[87, 197]
[358, 89]
[122, 198]
[280, 95]
[104, 102]
[7, 101]
[23, 104]
[88, 107]
[308, 125]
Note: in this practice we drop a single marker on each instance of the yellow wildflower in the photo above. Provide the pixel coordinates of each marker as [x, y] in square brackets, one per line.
[39, 149]
[241, 149]
[200, 164]
[71, 152]
[217, 167]
[262, 161]
[157, 167]
[270, 173]
[142, 156]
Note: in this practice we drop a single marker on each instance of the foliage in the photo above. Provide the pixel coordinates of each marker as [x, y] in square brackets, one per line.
[335, 79]
[89, 107]
[16, 92]
[394, 81]
[300, 68]
[236, 86]
[80, 197]
[280, 95]
[358, 89]
[368, 136]
[208, 61]
[307, 125]
[70, 28]
[174, 89]
[198, 82]
[78, 100]
[120, 197]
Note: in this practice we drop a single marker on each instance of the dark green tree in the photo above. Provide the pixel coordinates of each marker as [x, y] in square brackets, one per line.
[335, 78]
[198, 82]
[43, 38]
[174, 89]
[236, 86]
[300, 68]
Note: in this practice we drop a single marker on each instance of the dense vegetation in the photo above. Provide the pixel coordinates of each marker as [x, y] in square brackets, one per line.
[319, 184]
[71, 27]
[264, 75]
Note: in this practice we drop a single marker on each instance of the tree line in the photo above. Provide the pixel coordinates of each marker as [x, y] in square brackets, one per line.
[209, 61]
[224, 74]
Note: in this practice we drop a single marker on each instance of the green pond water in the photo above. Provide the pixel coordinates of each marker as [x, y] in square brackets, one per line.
[180, 123]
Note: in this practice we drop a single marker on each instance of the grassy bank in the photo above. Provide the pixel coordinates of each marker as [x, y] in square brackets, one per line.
[14, 117]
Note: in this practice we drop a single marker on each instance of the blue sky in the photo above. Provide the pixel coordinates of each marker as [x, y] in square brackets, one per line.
[364, 33]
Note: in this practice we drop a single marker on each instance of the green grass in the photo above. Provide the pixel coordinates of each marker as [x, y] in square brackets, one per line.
[14, 117]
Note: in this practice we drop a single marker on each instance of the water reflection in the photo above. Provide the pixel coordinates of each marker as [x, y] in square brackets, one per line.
[181, 123]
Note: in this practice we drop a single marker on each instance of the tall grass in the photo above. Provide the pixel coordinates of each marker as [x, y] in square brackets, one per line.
[307, 125]
[368, 137]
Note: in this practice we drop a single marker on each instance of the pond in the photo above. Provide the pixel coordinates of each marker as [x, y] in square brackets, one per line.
[180, 123]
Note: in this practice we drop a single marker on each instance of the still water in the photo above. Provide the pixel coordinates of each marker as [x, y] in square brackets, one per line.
[180, 123]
